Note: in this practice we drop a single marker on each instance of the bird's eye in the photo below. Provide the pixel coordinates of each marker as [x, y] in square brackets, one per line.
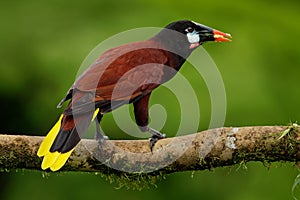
[189, 29]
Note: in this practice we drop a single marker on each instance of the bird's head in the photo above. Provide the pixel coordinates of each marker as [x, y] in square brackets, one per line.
[197, 34]
[192, 34]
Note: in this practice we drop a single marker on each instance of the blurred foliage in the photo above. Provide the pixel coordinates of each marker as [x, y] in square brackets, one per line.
[44, 42]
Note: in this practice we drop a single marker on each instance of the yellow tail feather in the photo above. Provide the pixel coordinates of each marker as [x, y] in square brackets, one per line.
[60, 161]
[49, 159]
[49, 139]
[55, 160]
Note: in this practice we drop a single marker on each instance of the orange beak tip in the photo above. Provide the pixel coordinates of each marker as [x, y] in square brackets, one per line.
[221, 37]
[228, 35]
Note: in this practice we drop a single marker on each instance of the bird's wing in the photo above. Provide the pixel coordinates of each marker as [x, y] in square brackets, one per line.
[121, 75]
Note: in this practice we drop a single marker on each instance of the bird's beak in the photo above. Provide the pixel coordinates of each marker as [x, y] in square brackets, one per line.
[221, 37]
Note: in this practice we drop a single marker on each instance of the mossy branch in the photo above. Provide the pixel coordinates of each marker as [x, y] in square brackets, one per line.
[204, 150]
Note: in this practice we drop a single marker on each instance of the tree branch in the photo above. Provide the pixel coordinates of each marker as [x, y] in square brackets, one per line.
[199, 151]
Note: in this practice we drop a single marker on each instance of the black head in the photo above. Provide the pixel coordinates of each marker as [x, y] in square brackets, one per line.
[192, 34]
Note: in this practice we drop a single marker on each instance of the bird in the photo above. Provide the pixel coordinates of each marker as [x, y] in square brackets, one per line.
[122, 75]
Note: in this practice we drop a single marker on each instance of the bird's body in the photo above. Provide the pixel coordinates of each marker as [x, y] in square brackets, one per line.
[122, 75]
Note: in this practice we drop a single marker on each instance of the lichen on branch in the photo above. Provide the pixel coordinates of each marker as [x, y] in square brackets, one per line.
[204, 150]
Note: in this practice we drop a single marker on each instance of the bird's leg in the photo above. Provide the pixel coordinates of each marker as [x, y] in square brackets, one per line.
[141, 118]
[99, 136]
[156, 135]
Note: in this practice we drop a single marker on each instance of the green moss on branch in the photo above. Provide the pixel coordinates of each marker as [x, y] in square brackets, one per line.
[132, 164]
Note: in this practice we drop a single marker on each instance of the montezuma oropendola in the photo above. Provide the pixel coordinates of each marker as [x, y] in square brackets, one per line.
[122, 75]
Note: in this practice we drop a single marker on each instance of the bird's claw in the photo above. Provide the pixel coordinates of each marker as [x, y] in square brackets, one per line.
[155, 137]
[153, 140]
[101, 139]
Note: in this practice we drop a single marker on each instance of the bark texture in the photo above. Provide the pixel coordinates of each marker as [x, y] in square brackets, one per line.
[204, 150]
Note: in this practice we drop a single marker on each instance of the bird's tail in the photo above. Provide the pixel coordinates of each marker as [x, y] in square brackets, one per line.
[62, 139]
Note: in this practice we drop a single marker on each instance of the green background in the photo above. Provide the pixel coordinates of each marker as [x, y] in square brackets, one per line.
[42, 45]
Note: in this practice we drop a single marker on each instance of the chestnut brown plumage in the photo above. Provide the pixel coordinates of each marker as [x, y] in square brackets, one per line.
[122, 75]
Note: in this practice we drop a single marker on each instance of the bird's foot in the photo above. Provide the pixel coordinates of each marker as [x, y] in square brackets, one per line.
[156, 135]
[101, 139]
